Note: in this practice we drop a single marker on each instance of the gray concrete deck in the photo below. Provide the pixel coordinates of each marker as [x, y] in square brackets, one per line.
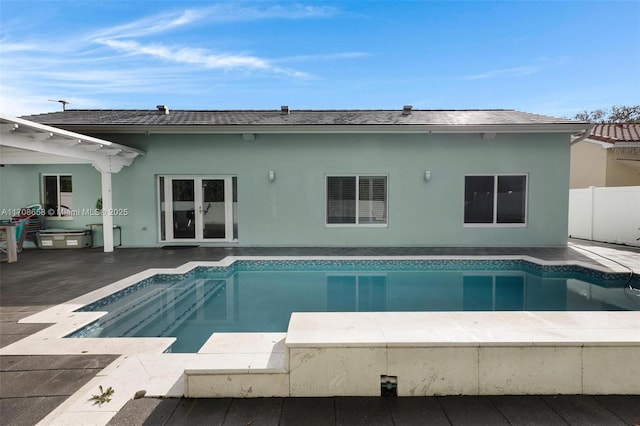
[32, 386]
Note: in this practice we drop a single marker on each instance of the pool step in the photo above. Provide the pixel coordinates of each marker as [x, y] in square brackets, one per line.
[241, 365]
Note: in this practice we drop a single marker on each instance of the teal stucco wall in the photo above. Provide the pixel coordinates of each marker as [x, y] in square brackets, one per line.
[290, 211]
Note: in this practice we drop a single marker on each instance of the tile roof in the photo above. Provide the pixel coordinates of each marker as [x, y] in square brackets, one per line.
[157, 117]
[616, 132]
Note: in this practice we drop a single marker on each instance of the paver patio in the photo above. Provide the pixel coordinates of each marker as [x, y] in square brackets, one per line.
[32, 386]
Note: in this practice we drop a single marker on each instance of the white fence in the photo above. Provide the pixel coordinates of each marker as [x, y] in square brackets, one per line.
[605, 214]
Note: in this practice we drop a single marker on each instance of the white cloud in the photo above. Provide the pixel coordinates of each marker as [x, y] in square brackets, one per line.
[93, 68]
[231, 12]
[506, 72]
[201, 57]
[219, 13]
[186, 55]
[125, 38]
[150, 25]
[324, 57]
[9, 47]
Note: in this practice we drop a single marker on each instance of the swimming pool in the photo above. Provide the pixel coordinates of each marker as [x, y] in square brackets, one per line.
[259, 296]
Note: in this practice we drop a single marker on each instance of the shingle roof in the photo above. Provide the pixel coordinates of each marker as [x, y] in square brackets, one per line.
[293, 118]
[616, 132]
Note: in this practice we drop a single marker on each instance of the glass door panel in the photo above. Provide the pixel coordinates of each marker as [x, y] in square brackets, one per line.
[197, 208]
[234, 206]
[213, 209]
[163, 209]
[184, 204]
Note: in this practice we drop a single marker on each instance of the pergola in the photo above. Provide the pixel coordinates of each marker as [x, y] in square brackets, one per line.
[26, 142]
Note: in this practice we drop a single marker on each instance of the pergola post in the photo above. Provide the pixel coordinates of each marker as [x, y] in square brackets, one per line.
[107, 211]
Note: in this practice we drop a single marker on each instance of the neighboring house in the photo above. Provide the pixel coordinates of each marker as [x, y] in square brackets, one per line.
[610, 156]
[298, 177]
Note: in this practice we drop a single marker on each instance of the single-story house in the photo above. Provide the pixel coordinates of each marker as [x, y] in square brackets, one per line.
[609, 156]
[289, 177]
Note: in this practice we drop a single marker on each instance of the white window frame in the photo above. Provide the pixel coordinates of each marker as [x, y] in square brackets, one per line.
[356, 224]
[229, 213]
[495, 223]
[58, 196]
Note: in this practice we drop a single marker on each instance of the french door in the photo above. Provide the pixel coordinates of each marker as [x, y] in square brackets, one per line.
[198, 208]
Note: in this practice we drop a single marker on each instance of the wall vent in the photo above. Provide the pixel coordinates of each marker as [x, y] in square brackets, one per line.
[388, 385]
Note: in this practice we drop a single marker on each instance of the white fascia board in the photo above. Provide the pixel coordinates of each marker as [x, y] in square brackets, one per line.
[331, 129]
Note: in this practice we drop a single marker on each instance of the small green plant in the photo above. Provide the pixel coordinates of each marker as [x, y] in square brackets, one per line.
[105, 396]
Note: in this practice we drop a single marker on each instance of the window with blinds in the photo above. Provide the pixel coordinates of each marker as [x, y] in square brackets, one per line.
[357, 200]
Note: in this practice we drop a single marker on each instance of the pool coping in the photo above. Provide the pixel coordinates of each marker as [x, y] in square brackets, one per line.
[143, 365]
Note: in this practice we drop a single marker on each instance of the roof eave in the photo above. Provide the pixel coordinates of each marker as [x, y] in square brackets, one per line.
[332, 129]
[626, 144]
[610, 142]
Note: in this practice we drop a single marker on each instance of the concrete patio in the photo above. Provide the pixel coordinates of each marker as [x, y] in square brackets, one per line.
[32, 386]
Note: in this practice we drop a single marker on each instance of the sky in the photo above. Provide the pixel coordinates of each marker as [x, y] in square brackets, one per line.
[548, 57]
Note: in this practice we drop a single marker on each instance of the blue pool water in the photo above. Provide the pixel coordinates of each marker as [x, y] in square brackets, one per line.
[259, 296]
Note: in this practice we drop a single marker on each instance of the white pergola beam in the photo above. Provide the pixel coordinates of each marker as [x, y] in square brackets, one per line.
[16, 141]
[10, 156]
[65, 141]
[29, 126]
[39, 137]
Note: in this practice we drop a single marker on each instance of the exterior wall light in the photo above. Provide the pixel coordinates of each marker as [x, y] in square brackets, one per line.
[272, 175]
[427, 175]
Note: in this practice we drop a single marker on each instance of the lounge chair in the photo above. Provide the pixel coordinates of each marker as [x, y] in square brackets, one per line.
[35, 221]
